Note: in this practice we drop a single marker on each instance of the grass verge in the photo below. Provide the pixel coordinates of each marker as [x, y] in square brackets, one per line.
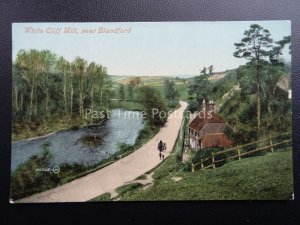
[267, 177]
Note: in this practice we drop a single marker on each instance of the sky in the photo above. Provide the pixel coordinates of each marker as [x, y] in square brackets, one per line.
[146, 48]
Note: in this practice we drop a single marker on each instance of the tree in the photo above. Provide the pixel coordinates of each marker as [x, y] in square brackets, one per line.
[203, 71]
[122, 91]
[210, 70]
[79, 69]
[276, 52]
[130, 91]
[49, 59]
[135, 81]
[171, 94]
[255, 46]
[64, 66]
[198, 90]
[31, 64]
[92, 72]
[155, 107]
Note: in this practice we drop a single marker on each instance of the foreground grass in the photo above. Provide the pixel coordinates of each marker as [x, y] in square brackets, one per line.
[104, 197]
[267, 177]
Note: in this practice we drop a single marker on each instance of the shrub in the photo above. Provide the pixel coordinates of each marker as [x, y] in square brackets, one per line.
[27, 179]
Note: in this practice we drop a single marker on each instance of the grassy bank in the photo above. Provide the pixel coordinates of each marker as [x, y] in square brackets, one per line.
[128, 105]
[28, 129]
[267, 177]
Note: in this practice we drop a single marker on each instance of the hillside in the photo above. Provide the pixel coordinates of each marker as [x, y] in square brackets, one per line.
[255, 178]
[144, 79]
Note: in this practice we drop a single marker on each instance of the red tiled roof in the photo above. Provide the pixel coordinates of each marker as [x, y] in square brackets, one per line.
[216, 140]
[212, 128]
[200, 120]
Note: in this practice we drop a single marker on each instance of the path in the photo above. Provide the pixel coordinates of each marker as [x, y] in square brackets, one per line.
[119, 173]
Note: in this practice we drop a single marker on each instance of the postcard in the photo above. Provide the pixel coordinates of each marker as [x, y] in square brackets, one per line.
[151, 111]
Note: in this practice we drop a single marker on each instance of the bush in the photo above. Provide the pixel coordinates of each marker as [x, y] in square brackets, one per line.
[27, 179]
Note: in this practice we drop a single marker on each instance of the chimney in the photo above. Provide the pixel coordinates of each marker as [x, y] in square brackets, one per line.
[211, 106]
[203, 108]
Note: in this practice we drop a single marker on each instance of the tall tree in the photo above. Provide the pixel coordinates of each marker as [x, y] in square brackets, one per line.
[92, 72]
[198, 90]
[80, 69]
[255, 46]
[31, 64]
[122, 91]
[171, 94]
[64, 66]
[130, 91]
[210, 70]
[49, 59]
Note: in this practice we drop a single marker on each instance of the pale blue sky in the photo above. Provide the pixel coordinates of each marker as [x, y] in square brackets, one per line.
[151, 48]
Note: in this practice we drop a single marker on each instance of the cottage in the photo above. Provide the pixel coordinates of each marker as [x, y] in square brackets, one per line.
[207, 129]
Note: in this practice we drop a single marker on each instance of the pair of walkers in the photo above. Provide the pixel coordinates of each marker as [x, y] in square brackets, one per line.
[161, 147]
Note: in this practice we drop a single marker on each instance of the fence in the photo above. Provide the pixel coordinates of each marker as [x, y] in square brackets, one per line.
[212, 161]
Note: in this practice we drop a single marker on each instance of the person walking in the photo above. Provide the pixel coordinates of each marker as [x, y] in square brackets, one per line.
[160, 148]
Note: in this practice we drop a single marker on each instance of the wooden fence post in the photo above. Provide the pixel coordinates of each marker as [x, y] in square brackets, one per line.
[193, 167]
[239, 152]
[213, 160]
[271, 144]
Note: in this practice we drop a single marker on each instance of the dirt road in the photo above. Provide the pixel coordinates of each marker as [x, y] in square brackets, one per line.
[117, 174]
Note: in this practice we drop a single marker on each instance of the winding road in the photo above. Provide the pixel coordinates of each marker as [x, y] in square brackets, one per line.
[119, 173]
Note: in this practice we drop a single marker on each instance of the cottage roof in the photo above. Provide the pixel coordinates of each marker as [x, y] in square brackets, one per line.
[213, 128]
[201, 120]
[217, 139]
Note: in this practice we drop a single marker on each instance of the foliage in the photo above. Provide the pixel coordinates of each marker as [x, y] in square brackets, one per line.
[128, 187]
[171, 94]
[46, 87]
[122, 91]
[198, 90]
[154, 104]
[104, 197]
[92, 140]
[27, 179]
[257, 46]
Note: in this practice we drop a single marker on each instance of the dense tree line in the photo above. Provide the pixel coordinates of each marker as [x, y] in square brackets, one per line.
[47, 86]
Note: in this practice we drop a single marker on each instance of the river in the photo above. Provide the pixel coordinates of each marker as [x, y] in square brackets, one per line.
[66, 147]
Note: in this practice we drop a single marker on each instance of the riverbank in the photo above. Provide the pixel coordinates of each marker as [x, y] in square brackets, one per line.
[27, 131]
[23, 131]
[116, 174]
[22, 187]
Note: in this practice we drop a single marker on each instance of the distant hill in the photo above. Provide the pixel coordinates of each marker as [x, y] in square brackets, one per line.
[156, 80]
[117, 77]
[144, 79]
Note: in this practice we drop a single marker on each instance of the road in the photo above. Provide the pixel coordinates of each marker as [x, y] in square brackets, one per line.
[119, 173]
